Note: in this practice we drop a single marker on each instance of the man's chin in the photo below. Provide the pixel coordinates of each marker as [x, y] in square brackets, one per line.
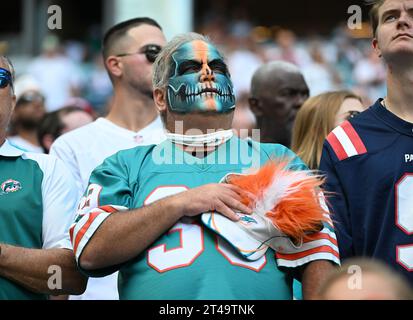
[402, 51]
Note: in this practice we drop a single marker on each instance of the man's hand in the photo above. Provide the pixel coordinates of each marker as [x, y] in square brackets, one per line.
[223, 198]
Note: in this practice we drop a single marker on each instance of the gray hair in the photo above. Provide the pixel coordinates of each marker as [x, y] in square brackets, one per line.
[10, 67]
[161, 66]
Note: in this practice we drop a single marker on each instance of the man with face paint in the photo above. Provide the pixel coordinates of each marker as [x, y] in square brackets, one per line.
[141, 213]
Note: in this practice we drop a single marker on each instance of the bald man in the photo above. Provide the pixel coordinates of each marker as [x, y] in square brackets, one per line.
[365, 279]
[278, 90]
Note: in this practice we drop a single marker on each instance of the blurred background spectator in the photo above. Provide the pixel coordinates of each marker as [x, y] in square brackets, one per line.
[365, 279]
[313, 35]
[278, 90]
[244, 119]
[66, 63]
[58, 76]
[27, 114]
[58, 122]
[318, 116]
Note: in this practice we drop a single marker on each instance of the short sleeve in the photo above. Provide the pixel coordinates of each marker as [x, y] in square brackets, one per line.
[108, 192]
[59, 196]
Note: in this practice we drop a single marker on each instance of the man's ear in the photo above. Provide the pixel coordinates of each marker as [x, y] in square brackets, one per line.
[255, 106]
[114, 66]
[376, 48]
[159, 96]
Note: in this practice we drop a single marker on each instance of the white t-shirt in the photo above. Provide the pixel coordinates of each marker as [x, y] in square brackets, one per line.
[83, 150]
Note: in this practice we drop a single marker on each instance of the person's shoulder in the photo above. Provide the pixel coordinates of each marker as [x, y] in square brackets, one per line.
[274, 149]
[127, 158]
[79, 136]
[276, 152]
[356, 137]
[134, 153]
[48, 164]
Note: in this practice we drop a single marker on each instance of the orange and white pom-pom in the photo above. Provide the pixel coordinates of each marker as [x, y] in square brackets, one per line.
[290, 199]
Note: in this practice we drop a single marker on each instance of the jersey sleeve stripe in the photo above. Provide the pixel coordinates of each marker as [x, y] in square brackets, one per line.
[346, 142]
[308, 246]
[300, 255]
[336, 145]
[112, 209]
[307, 259]
[89, 233]
[79, 235]
[354, 137]
[319, 236]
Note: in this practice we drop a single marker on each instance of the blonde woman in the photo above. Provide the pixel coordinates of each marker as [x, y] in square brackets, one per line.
[317, 117]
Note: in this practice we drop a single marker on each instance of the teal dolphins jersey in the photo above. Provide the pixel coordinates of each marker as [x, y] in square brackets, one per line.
[37, 203]
[188, 261]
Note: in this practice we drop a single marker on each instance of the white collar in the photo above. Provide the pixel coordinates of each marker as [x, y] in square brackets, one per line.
[148, 130]
[7, 150]
[210, 139]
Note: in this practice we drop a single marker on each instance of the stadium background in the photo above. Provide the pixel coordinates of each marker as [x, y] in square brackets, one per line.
[331, 55]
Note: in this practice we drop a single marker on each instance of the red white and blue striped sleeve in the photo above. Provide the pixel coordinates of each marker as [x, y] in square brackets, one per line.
[345, 141]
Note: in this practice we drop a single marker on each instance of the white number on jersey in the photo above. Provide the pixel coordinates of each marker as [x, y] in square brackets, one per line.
[191, 242]
[404, 219]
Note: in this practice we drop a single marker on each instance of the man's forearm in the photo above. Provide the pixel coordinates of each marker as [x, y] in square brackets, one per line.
[124, 235]
[314, 274]
[31, 268]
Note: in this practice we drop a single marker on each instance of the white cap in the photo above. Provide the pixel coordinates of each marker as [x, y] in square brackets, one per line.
[25, 83]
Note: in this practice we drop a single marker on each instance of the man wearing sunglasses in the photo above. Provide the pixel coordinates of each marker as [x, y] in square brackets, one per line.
[129, 50]
[37, 197]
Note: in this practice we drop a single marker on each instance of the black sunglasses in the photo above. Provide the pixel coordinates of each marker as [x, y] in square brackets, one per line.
[151, 51]
[5, 78]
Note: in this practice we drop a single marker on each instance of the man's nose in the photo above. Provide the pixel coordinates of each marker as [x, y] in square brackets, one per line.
[207, 74]
[405, 20]
[299, 101]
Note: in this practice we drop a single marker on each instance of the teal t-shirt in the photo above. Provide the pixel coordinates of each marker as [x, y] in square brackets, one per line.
[189, 261]
[37, 206]
[21, 214]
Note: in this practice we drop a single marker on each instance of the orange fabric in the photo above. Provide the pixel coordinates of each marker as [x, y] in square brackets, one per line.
[297, 215]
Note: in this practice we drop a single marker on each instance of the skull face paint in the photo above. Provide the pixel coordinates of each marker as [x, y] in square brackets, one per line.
[199, 80]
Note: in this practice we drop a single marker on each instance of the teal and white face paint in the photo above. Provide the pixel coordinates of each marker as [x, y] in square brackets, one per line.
[199, 80]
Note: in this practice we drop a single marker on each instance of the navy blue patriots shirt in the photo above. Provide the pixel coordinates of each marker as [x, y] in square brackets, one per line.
[368, 161]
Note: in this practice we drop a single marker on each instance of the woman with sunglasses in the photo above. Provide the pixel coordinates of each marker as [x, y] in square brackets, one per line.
[317, 117]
